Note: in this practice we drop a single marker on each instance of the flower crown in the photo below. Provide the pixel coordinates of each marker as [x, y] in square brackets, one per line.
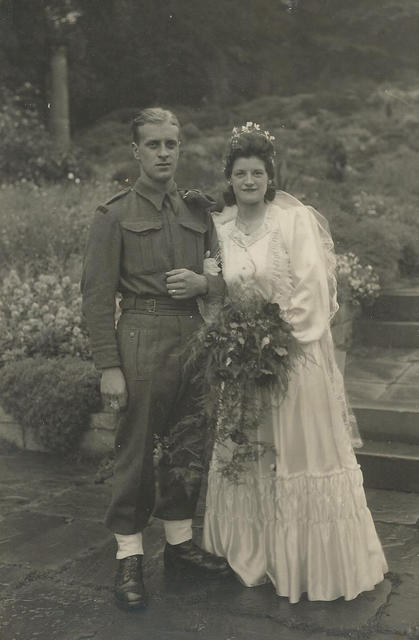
[249, 127]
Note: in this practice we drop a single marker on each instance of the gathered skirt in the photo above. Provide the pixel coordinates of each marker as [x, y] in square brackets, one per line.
[298, 516]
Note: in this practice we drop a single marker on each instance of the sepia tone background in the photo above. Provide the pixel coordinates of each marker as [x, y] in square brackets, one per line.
[337, 84]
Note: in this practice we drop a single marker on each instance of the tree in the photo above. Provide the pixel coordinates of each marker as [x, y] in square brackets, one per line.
[60, 16]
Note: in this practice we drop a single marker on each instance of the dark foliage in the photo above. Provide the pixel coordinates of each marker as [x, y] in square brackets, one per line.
[28, 151]
[54, 397]
[126, 53]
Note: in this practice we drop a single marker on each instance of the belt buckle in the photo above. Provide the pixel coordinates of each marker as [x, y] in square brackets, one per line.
[151, 305]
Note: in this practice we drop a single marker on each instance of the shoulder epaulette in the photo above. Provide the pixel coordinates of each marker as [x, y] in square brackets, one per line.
[119, 195]
[196, 198]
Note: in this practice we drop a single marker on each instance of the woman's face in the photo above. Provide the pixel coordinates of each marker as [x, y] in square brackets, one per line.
[249, 180]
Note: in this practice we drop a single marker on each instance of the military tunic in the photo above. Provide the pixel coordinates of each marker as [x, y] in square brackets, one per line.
[134, 240]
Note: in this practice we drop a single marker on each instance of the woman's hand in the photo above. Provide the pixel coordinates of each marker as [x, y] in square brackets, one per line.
[211, 267]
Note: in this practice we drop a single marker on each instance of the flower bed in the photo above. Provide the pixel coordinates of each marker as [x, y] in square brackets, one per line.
[41, 316]
[357, 283]
[358, 286]
[48, 386]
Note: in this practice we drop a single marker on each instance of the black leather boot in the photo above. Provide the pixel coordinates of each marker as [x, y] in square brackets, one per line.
[188, 557]
[129, 586]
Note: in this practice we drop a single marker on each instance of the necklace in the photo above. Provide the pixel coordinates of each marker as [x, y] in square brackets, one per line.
[250, 226]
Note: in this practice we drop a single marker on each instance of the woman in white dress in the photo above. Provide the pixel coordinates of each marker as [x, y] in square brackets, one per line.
[298, 517]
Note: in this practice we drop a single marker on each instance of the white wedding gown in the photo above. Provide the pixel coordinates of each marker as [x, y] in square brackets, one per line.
[299, 517]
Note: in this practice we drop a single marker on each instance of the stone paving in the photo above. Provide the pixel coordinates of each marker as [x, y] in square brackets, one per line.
[389, 377]
[57, 565]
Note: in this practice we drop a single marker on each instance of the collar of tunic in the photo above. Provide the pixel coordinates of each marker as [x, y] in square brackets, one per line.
[154, 195]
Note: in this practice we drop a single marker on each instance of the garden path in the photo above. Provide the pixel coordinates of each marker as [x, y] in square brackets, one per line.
[57, 565]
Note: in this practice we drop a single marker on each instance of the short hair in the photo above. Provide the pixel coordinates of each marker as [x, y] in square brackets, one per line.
[246, 145]
[153, 115]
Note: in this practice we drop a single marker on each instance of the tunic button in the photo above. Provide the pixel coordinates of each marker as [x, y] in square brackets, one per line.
[131, 334]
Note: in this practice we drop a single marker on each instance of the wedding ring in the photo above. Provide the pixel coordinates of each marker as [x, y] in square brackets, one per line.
[172, 290]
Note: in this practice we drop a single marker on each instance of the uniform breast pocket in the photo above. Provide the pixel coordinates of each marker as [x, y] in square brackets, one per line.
[143, 246]
[193, 236]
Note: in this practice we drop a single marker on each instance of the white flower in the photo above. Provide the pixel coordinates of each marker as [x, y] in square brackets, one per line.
[70, 176]
[266, 340]
[72, 17]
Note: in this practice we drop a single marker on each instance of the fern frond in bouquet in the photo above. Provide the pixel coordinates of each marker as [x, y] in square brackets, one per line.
[247, 347]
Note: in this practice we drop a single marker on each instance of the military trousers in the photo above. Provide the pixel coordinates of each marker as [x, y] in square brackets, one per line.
[164, 406]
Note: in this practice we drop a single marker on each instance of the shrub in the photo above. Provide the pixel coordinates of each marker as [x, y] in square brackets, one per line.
[104, 136]
[378, 243]
[41, 317]
[28, 150]
[190, 131]
[53, 397]
[43, 228]
[380, 230]
[126, 173]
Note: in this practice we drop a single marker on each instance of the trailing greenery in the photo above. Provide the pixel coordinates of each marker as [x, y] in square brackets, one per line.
[245, 349]
[53, 397]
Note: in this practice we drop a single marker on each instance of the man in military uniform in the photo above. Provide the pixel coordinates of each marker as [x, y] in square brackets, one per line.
[148, 243]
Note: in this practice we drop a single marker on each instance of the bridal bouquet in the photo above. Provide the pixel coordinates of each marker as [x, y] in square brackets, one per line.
[246, 348]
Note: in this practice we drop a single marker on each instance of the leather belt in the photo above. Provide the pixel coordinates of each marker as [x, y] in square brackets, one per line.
[159, 306]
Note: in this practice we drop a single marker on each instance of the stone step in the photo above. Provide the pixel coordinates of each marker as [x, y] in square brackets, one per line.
[395, 305]
[386, 421]
[390, 465]
[389, 334]
[400, 307]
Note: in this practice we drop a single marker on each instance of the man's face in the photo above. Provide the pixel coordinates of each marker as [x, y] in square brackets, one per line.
[158, 151]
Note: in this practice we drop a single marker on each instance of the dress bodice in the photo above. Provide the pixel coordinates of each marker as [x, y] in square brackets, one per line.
[256, 264]
[289, 260]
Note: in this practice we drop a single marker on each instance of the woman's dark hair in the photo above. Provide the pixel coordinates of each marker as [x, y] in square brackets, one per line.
[246, 145]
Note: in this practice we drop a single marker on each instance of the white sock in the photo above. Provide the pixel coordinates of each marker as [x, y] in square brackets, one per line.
[178, 531]
[130, 545]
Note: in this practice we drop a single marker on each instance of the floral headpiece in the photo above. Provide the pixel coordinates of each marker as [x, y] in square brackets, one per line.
[249, 127]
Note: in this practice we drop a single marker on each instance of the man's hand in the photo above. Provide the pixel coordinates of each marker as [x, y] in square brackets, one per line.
[113, 388]
[183, 284]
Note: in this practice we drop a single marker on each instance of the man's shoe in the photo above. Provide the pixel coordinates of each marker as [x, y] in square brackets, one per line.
[129, 586]
[187, 556]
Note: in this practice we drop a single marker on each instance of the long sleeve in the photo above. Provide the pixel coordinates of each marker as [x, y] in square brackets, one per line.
[99, 285]
[216, 284]
[309, 308]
